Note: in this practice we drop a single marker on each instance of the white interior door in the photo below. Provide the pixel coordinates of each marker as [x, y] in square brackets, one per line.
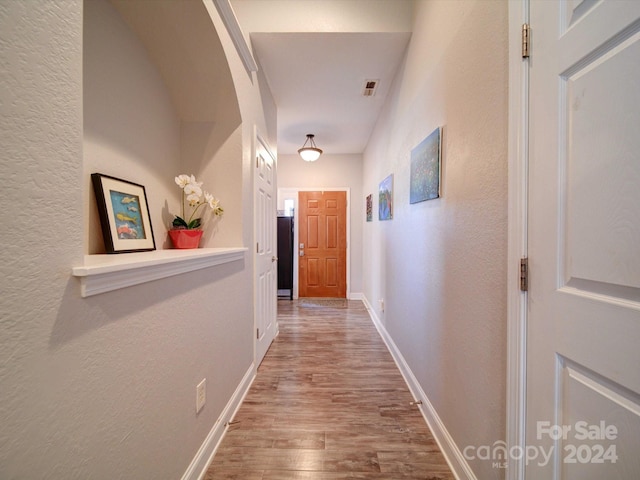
[265, 257]
[583, 334]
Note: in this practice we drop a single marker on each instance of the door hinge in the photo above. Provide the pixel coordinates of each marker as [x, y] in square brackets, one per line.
[526, 40]
[257, 334]
[524, 274]
[257, 247]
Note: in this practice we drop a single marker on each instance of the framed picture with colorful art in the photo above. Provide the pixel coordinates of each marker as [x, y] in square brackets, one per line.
[124, 214]
[370, 208]
[425, 169]
[385, 202]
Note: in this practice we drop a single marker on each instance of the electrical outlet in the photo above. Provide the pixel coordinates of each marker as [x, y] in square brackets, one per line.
[201, 395]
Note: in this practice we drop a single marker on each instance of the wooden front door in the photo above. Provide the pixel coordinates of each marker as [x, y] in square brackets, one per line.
[323, 244]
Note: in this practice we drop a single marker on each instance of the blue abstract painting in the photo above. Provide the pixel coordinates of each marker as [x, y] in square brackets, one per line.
[425, 169]
[385, 201]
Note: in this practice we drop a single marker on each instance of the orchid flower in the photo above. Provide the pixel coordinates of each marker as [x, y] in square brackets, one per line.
[195, 197]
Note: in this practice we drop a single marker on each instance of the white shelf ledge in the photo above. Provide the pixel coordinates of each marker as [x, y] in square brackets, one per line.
[104, 273]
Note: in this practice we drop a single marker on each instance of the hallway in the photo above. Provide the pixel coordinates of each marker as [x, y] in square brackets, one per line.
[328, 403]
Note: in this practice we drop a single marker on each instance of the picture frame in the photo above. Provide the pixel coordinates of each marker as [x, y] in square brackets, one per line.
[385, 202]
[124, 214]
[426, 159]
[370, 207]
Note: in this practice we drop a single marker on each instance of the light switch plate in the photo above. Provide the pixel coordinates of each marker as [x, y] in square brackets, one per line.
[201, 395]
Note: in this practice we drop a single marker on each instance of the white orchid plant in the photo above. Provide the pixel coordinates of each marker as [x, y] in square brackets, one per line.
[195, 197]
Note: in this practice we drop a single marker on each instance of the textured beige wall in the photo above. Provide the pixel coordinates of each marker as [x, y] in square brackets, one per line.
[440, 265]
[42, 237]
[104, 387]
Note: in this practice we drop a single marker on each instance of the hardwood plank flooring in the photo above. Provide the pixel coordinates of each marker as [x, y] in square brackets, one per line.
[328, 403]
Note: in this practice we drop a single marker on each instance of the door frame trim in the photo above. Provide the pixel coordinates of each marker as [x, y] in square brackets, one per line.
[517, 248]
[286, 192]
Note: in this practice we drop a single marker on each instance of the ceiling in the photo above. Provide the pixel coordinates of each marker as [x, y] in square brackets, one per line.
[317, 81]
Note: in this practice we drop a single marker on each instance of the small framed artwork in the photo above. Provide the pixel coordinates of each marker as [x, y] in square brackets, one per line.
[385, 202]
[124, 214]
[425, 169]
[370, 208]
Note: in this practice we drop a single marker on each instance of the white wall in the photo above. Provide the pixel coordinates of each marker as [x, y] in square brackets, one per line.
[131, 129]
[331, 171]
[324, 15]
[440, 265]
[104, 387]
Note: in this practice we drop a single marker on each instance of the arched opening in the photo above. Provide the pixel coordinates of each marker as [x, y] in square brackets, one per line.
[159, 100]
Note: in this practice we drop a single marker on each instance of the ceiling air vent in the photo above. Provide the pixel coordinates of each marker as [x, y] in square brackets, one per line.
[370, 88]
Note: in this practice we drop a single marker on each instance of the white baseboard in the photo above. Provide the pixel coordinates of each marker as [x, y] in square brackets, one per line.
[207, 450]
[450, 450]
[356, 296]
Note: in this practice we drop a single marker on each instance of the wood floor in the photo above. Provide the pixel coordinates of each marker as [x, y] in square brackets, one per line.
[328, 403]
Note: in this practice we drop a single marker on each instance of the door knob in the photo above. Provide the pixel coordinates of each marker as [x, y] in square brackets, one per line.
[274, 259]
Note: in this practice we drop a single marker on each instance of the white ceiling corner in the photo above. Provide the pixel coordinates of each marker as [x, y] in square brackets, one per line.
[316, 56]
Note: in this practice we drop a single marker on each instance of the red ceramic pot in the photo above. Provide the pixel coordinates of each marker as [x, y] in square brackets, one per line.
[185, 238]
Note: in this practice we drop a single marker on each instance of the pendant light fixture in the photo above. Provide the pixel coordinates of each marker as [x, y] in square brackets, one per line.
[310, 153]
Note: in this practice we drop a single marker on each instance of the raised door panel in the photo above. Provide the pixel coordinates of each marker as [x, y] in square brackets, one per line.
[313, 232]
[332, 232]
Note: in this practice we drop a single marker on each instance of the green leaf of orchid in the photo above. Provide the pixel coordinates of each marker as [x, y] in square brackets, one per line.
[195, 223]
[179, 222]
